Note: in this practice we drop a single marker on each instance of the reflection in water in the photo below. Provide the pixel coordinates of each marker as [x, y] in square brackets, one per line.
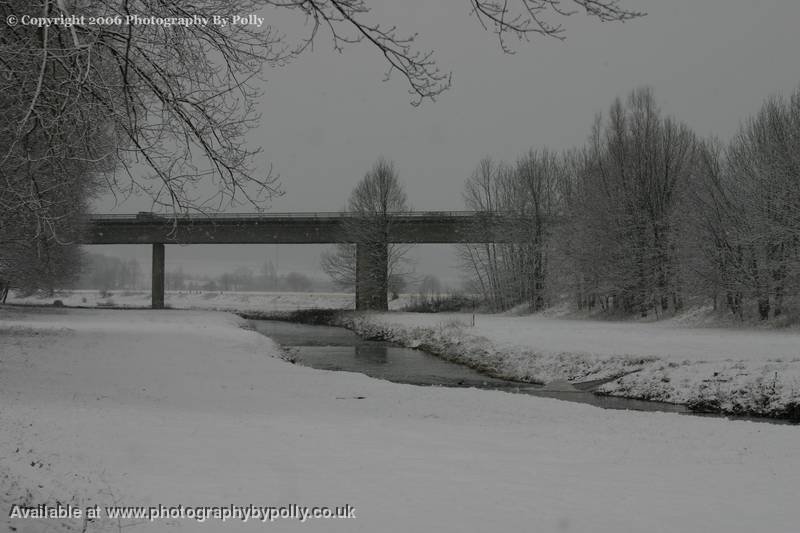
[373, 354]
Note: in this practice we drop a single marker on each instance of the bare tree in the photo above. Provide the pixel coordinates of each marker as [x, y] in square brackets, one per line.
[339, 263]
[430, 287]
[297, 282]
[347, 24]
[646, 214]
[269, 276]
[43, 198]
[524, 18]
[759, 183]
[536, 202]
[527, 196]
[481, 261]
[178, 99]
[716, 255]
[159, 108]
[368, 260]
[174, 100]
[586, 252]
[638, 175]
[38, 265]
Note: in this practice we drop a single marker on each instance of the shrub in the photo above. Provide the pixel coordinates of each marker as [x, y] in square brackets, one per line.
[440, 303]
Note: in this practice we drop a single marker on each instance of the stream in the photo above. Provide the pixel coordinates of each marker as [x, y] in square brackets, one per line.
[332, 348]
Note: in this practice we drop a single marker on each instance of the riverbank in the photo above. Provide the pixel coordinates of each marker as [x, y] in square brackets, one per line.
[734, 371]
[754, 373]
[236, 301]
[186, 408]
[737, 372]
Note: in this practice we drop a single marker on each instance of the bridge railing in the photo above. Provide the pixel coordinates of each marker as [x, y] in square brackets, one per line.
[150, 217]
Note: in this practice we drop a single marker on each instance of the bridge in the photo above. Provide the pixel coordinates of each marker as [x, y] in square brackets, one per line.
[429, 227]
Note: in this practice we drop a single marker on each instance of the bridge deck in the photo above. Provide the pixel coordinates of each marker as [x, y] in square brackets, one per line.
[290, 228]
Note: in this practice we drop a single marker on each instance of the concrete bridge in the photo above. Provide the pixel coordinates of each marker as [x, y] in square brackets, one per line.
[431, 227]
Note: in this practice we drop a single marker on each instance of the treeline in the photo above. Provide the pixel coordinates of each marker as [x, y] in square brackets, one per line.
[245, 279]
[105, 272]
[646, 215]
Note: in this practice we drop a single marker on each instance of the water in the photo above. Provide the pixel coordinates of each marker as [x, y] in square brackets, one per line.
[330, 348]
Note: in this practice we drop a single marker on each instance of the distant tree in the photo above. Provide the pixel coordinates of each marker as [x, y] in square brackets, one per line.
[430, 287]
[297, 282]
[397, 284]
[367, 226]
[175, 280]
[134, 272]
[225, 282]
[243, 278]
[269, 276]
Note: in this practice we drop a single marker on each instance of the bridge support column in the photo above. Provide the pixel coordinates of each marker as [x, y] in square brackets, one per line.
[157, 287]
[372, 276]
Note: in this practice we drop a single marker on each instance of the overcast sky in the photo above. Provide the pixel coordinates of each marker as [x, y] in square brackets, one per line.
[327, 116]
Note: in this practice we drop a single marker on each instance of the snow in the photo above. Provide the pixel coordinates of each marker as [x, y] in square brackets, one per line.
[736, 371]
[654, 339]
[747, 371]
[184, 407]
[213, 300]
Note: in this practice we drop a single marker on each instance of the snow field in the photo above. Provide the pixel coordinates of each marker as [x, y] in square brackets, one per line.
[185, 407]
[754, 372]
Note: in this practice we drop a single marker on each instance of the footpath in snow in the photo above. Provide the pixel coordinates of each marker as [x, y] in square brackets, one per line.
[755, 372]
[144, 408]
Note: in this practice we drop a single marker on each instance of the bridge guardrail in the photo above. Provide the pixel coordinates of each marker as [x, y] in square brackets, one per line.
[150, 217]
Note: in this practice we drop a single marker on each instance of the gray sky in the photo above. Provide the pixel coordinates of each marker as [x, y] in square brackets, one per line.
[328, 116]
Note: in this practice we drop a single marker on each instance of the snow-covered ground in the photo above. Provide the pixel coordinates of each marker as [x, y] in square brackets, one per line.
[185, 408]
[214, 300]
[736, 371]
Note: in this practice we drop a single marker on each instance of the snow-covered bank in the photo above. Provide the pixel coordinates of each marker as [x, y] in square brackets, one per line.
[180, 407]
[754, 372]
[210, 300]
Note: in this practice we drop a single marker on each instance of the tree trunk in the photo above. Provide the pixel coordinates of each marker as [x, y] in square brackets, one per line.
[763, 307]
